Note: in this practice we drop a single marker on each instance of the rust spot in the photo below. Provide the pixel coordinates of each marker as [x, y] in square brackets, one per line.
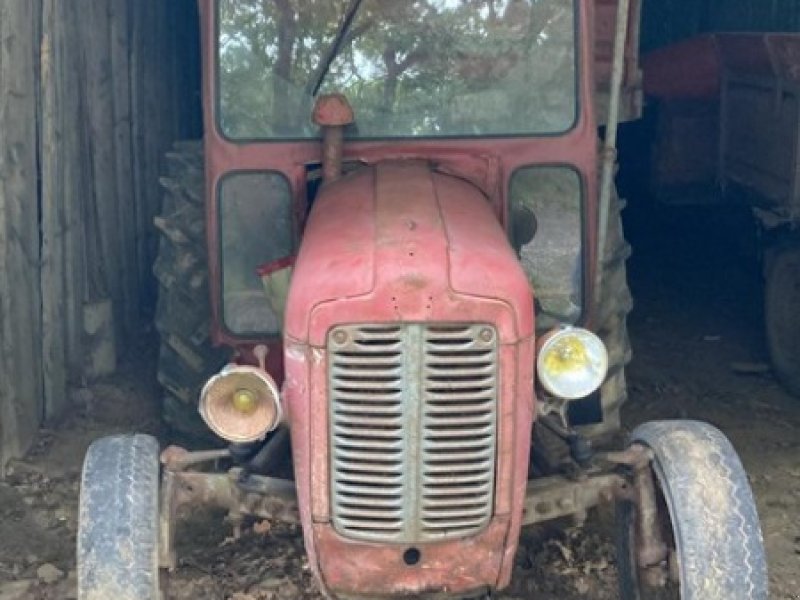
[415, 282]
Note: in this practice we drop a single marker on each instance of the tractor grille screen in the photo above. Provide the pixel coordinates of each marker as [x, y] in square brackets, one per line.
[413, 416]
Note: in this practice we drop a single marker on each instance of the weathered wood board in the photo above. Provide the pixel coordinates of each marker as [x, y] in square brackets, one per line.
[89, 103]
[21, 373]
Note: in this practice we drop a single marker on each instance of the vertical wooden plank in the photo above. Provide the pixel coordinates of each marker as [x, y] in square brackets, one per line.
[138, 27]
[20, 300]
[186, 56]
[75, 182]
[53, 192]
[155, 81]
[153, 87]
[99, 98]
[178, 72]
[120, 67]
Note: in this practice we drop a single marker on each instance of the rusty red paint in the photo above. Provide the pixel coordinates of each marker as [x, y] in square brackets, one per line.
[398, 242]
[456, 567]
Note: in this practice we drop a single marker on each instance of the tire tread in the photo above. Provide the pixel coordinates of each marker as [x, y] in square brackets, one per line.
[117, 551]
[183, 314]
[714, 516]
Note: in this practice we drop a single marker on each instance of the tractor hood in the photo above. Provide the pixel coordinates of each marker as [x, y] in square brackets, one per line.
[397, 241]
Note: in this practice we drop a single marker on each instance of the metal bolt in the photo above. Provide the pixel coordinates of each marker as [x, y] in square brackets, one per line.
[486, 334]
[340, 336]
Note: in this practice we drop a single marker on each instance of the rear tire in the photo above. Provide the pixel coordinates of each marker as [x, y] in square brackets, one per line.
[615, 304]
[118, 527]
[709, 518]
[187, 358]
[782, 315]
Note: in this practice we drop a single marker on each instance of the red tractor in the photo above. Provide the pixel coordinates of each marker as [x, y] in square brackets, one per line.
[424, 313]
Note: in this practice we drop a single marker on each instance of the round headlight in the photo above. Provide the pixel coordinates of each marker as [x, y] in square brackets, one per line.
[572, 363]
[241, 404]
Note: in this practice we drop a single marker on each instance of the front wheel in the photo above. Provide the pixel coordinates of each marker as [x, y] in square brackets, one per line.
[118, 527]
[707, 516]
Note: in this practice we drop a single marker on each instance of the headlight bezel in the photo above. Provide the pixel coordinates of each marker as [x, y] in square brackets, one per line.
[568, 386]
[231, 423]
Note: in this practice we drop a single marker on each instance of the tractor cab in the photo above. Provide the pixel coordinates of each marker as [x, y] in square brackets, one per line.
[493, 93]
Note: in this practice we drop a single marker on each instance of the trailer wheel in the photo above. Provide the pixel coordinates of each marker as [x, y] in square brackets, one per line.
[187, 358]
[118, 528]
[782, 315]
[707, 515]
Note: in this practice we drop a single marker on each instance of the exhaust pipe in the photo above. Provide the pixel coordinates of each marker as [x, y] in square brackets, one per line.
[332, 113]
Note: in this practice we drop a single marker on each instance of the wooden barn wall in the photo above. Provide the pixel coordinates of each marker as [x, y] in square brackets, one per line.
[20, 297]
[667, 21]
[92, 94]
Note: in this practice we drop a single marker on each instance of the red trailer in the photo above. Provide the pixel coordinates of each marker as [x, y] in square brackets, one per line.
[729, 124]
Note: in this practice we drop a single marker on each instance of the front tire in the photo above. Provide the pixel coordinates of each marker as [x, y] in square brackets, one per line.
[709, 518]
[118, 527]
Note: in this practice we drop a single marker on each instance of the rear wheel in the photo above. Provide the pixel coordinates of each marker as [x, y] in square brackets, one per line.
[615, 304]
[118, 527]
[707, 515]
[183, 316]
[782, 315]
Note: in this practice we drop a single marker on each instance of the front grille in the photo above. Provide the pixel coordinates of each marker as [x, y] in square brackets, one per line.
[413, 410]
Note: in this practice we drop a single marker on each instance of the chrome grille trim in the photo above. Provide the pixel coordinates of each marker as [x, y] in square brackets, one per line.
[413, 414]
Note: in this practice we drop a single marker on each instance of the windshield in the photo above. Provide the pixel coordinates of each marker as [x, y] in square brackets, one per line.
[410, 68]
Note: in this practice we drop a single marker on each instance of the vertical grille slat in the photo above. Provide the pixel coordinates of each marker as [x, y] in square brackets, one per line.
[413, 412]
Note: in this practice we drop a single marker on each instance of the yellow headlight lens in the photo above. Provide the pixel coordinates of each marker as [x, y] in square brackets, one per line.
[572, 363]
[566, 355]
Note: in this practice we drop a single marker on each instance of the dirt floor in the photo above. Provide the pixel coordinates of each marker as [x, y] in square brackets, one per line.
[699, 353]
